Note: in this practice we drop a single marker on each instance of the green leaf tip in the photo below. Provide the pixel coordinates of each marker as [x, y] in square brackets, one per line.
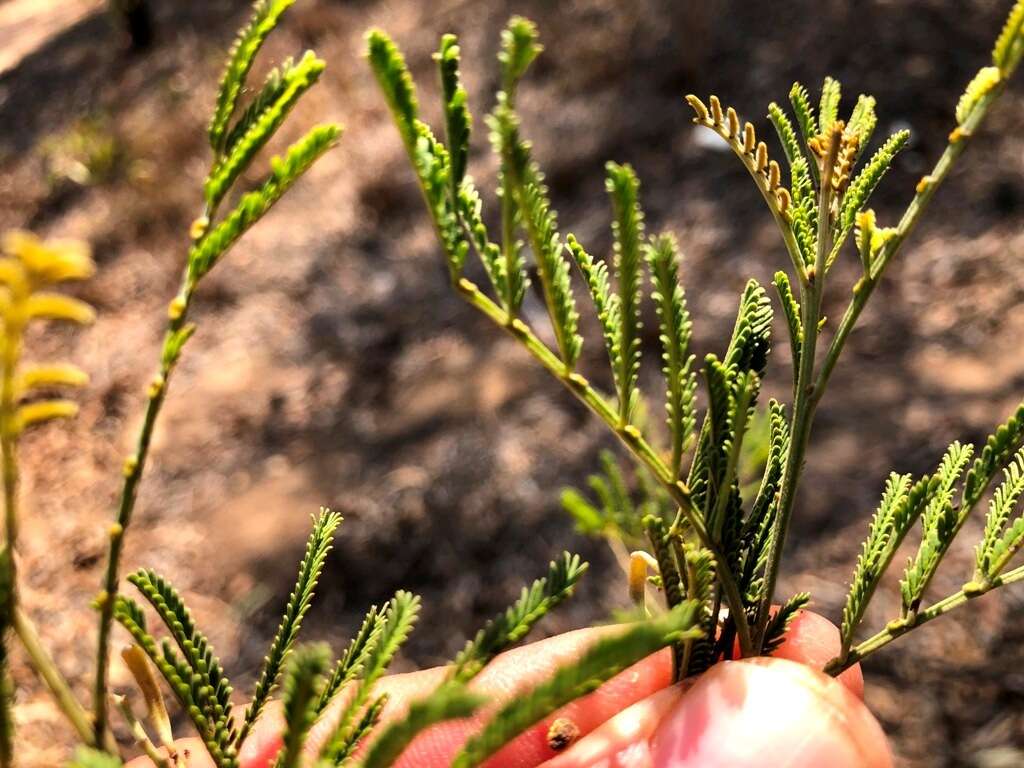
[260, 126]
[510, 627]
[265, 17]
[394, 79]
[628, 232]
[519, 47]
[311, 566]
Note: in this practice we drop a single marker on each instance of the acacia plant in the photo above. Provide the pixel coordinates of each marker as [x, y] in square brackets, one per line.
[709, 542]
[306, 676]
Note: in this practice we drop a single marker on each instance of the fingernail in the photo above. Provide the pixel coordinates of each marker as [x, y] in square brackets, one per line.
[769, 712]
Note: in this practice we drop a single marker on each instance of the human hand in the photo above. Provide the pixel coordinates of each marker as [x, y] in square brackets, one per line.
[755, 713]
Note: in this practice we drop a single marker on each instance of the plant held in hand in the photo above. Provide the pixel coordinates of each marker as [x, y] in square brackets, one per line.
[712, 543]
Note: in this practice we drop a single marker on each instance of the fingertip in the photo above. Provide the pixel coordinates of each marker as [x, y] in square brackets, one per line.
[769, 711]
[813, 640]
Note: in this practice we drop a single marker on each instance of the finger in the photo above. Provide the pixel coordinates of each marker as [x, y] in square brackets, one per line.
[768, 712]
[624, 739]
[814, 640]
[509, 674]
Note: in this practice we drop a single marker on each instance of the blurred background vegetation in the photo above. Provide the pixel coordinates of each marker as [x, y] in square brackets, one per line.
[336, 367]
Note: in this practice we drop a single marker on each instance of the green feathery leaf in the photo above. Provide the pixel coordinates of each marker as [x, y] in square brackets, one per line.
[752, 335]
[606, 303]
[676, 329]
[864, 183]
[902, 503]
[358, 734]
[668, 569]
[831, 93]
[285, 171]
[398, 620]
[303, 682]
[429, 157]
[394, 79]
[803, 213]
[778, 624]
[713, 444]
[511, 218]
[940, 523]
[999, 449]
[1001, 507]
[726, 516]
[804, 112]
[351, 664]
[862, 122]
[450, 701]
[295, 80]
[215, 700]
[513, 625]
[757, 528]
[457, 119]
[671, 580]
[317, 547]
[698, 653]
[606, 658]
[541, 223]
[265, 17]
[188, 686]
[1011, 38]
[269, 93]
[787, 134]
[980, 86]
[589, 520]
[433, 167]
[470, 209]
[519, 47]
[628, 231]
[617, 513]
[1008, 545]
[791, 311]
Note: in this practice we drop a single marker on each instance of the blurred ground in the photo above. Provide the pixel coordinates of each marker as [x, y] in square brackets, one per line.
[333, 365]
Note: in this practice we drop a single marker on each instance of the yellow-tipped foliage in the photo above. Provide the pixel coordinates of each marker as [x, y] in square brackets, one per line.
[29, 268]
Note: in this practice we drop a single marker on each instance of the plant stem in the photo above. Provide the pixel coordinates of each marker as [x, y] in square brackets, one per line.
[142, 740]
[804, 403]
[54, 680]
[8, 446]
[133, 469]
[630, 437]
[900, 627]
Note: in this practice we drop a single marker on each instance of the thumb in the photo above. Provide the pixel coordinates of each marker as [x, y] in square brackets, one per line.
[769, 712]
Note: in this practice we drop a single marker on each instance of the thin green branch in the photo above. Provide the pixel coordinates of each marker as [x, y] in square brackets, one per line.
[630, 437]
[54, 680]
[175, 335]
[803, 406]
[900, 627]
